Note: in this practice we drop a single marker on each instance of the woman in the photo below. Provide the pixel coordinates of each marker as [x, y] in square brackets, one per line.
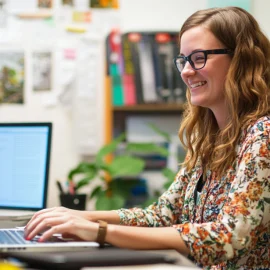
[217, 211]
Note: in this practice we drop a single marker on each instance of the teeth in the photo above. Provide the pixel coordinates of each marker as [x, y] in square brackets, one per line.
[197, 84]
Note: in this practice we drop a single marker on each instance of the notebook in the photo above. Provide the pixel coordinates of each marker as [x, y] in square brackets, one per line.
[24, 170]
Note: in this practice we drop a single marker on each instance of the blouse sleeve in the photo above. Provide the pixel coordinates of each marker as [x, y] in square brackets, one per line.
[165, 212]
[244, 219]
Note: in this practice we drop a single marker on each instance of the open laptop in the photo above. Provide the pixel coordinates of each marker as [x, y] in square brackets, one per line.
[24, 170]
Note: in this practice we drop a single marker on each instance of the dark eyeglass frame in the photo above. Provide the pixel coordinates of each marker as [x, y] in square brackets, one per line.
[205, 52]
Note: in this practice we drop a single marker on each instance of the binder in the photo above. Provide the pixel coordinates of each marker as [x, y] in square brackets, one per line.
[146, 65]
[115, 58]
[164, 55]
[128, 74]
[134, 39]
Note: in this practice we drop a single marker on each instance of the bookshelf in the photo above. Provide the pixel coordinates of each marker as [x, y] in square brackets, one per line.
[142, 78]
[167, 108]
[120, 113]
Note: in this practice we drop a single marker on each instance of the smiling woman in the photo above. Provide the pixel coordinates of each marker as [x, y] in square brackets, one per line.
[206, 70]
[217, 210]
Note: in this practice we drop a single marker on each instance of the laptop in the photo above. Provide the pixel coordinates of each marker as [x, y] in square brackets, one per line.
[24, 170]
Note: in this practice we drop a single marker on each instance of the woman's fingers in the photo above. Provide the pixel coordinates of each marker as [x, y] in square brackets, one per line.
[38, 224]
[41, 212]
[61, 220]
[77, 227]
[44, 226]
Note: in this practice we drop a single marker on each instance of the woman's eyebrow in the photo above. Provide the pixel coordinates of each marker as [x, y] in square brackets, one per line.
[196, 50]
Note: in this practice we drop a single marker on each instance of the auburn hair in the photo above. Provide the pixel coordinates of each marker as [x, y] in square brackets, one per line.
[246, 89]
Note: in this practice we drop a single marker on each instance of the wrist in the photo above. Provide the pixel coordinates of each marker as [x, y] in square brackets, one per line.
[102, 231]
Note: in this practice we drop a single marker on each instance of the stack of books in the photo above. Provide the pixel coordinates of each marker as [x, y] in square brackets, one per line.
[141, 68]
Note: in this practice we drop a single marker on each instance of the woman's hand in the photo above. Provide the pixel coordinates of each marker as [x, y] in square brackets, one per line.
[61, 220]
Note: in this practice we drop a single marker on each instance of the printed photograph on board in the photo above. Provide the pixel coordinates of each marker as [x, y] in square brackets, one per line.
[11, 77]
[68, 3]
[42, 71]
[3, 14]
[45, 3]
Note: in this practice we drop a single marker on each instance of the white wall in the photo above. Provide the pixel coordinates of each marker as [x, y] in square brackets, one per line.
[133, 15]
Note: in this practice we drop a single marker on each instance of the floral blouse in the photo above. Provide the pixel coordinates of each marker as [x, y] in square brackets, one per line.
[229, 228]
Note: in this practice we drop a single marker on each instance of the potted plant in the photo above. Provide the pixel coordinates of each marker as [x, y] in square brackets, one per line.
[110, 194]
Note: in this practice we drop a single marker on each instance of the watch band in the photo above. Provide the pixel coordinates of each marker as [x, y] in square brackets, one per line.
[102, 230]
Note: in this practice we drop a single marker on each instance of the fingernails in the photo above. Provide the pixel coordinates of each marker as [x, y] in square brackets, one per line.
[40, 240]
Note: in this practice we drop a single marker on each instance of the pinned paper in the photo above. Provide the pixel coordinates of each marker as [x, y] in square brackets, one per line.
[245, 4]
[82, 16]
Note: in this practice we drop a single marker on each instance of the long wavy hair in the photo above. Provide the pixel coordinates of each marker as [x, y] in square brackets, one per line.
[246, 89]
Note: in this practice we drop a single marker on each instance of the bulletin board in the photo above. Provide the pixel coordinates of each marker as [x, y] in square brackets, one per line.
[55, 48]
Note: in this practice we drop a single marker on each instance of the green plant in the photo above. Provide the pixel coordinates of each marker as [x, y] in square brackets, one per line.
[110, 195]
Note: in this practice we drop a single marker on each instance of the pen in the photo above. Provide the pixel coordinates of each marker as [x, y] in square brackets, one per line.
[60, 187]
[71, 187]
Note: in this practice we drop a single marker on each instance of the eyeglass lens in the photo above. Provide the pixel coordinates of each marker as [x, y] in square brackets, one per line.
[196, 60]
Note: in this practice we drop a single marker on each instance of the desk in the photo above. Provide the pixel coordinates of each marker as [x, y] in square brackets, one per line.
[182, 263]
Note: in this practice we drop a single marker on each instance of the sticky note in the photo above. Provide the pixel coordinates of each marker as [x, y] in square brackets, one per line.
[245, 4]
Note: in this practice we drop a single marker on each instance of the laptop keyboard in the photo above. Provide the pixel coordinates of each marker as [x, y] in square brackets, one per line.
[14, 237]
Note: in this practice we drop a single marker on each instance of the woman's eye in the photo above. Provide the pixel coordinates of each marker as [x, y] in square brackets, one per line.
[199, 59]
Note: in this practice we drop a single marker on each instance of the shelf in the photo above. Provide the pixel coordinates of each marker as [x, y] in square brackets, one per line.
[120, 113]
[150, 108]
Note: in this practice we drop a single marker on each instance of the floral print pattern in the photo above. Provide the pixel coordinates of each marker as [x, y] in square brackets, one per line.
[230, 226]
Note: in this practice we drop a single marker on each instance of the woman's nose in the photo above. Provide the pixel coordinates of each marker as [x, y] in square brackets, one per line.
[187, 71]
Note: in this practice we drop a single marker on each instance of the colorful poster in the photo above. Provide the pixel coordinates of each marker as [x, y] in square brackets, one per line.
[42, 71]
[104, 4]
[245, 4]
[11, 77]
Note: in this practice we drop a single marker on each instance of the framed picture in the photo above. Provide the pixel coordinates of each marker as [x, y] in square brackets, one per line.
[11, 77]
[42, 71]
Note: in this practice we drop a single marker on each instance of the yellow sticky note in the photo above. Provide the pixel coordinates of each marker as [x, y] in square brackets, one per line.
[8, 266]
[75, 29]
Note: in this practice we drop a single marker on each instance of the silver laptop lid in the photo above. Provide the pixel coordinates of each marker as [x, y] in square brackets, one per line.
[24, 165]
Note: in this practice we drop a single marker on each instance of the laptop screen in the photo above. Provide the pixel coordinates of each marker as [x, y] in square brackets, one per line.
[24, 165]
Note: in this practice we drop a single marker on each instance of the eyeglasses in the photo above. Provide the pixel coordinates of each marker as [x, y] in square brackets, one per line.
[197, 59]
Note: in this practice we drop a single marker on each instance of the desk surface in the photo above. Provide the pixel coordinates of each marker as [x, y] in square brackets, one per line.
[181, 263]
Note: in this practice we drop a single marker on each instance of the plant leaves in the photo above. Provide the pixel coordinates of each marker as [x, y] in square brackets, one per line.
[95, 193]
[109, 203]
[169, 173]
[149, 201]
[109, 148]
[162, 133]
[85, 181]
[149, 148]
[126, 166]
[123, 187]
[83, 167]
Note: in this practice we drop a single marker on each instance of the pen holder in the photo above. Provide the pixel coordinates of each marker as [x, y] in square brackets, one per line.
[76, 201]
